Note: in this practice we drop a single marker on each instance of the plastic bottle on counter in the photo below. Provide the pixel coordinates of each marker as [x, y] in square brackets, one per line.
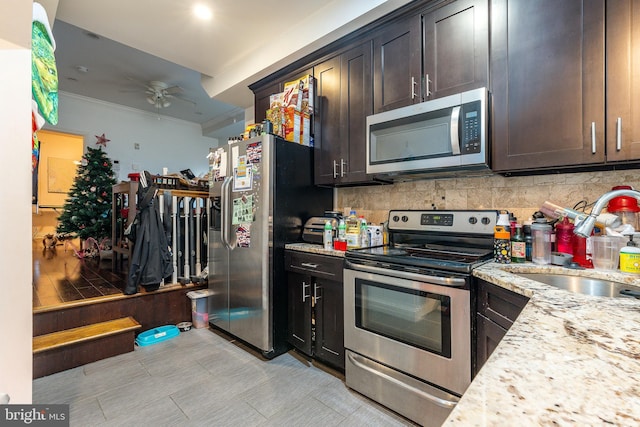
[385, 232]
[501, 245]
[342, 230]
[327, 237]
[364, 233]
[513, 221]
[630, 257]
[353, 231]
[518, 245]
[541, 244]
[503, 221]
[528, 241]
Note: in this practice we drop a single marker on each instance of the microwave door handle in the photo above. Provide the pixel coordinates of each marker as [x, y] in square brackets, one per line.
[455, 137]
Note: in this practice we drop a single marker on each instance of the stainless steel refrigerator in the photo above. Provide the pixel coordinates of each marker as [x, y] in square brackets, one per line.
[262, 192]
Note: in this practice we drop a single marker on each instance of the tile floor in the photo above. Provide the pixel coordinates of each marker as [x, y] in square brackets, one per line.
[201, 378]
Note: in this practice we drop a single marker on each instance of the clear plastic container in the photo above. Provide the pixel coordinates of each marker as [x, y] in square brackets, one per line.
[605, 252]
[541, 242]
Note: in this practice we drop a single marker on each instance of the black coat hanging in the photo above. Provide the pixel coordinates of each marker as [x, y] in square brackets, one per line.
[151, 259]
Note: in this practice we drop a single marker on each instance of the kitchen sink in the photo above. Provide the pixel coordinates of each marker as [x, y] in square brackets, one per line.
[585, 285]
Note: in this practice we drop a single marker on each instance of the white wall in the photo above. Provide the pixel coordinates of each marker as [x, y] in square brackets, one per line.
[15, 200]
[163, 141]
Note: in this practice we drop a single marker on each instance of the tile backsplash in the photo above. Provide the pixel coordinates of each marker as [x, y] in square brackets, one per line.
[520, 195]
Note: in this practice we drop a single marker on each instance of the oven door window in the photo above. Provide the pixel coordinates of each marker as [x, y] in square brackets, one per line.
[417, 318]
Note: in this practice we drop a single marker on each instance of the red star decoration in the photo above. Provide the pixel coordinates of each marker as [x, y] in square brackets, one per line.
[102, 140]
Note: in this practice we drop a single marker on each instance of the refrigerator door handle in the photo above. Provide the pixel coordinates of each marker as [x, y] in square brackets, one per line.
[225, 212]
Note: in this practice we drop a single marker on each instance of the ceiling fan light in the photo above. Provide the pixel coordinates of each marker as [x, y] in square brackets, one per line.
[165, 103]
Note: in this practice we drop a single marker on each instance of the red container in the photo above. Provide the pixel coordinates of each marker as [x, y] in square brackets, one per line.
[580, 252]
[134, 176]
[623, 203]
[564, 236]
[340, 245]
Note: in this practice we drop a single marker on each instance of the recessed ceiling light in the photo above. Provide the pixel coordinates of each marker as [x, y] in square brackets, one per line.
[202, 11]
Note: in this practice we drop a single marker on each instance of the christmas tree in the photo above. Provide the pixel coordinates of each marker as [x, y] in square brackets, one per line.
[87, 210]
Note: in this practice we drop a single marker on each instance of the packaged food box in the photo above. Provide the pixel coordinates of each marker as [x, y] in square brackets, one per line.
[292, 124]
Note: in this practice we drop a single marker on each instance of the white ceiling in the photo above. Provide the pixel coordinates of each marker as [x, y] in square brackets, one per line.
[143, 40]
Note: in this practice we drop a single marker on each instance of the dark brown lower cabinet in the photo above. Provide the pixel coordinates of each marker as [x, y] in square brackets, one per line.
[497, 309]
[315, 300]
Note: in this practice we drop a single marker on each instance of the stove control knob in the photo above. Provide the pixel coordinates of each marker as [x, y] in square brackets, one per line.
[396, 218]
[486, 220]
[405, 218]
[473, 220]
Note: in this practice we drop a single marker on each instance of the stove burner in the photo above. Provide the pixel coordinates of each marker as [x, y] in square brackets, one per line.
[419, 253]
[463, 255]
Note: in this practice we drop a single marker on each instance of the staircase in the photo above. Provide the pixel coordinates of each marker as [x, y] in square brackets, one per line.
[76, 333]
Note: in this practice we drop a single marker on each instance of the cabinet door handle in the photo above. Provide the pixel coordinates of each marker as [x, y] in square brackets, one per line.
[427, 86]
[413, 87]
[335, 169]
[619, 134]
[308, 264]
[593, 137]
[342, 165]
[316, 295]
[305, 286]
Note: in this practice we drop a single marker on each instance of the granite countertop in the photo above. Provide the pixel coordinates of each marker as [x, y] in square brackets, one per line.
[314, 249]
[569, 359]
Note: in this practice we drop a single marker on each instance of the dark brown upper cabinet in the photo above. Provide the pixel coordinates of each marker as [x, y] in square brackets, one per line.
[262, 93]
[397, 73]
[434, 53]
[456, 48]
[263, 100]
[623, 80]
[547, 82]
[344, 94]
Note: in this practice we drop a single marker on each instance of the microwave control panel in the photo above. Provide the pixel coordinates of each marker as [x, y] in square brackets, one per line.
[471, 128]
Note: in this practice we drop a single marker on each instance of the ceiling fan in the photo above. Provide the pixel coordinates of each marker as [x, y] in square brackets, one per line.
[160, 93]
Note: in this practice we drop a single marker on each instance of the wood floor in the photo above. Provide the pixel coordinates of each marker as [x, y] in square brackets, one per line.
[59, 276]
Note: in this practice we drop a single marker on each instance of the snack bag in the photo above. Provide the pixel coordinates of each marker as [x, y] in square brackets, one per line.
[276, 113]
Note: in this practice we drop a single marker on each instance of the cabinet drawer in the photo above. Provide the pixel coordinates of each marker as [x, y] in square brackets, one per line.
[499, 305]
[328, 267]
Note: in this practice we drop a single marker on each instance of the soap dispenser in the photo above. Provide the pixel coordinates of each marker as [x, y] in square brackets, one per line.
[630, 257]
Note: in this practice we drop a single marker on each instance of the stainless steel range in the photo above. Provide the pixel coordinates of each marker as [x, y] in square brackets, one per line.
[408, 315]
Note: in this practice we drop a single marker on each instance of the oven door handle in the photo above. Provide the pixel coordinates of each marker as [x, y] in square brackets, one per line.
[435, 400]
[454, 282]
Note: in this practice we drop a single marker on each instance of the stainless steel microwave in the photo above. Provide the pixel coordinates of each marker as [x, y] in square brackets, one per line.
[445, 136]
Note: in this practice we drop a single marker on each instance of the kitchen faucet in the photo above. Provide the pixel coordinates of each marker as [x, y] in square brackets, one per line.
[585, 226]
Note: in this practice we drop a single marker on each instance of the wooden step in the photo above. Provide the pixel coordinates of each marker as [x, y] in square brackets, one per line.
[62, 350]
